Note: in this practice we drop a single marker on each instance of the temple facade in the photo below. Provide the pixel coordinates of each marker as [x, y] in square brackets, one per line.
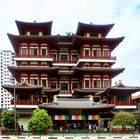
[70, 76]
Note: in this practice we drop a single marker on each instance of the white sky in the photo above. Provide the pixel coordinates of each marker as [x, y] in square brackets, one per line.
[65, 14]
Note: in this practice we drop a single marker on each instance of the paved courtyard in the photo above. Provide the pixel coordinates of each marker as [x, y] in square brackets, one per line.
[78, 137]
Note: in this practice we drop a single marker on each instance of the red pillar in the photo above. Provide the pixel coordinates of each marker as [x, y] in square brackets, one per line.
[90, 52]
[28, 46]
[39, 50]
[90, 81]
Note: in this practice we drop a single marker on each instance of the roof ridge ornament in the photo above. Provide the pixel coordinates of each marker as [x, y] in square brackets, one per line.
[55, 99]
[24, 83]
[119, 84]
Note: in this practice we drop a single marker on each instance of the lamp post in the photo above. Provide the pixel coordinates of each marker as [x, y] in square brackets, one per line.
[15, 124]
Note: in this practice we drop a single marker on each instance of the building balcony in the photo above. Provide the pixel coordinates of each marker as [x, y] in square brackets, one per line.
[121, 103]
[65, 62]
[66, 91]
[33, 65]
[97, 59]
[25, 102]
[33, 58]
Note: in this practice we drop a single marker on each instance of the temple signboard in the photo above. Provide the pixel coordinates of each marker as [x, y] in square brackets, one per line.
[75, 111]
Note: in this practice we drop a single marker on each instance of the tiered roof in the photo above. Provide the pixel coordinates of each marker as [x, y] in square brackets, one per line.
[17, 40]
[82, 28]
[23, 87]
[112, 42]
[120, 89]
[23, 27]
[65, 104]
[106, 71]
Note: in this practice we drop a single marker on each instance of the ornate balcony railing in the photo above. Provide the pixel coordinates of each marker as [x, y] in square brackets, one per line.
[25, 102]
[98, 57]
[66, 92]
[123, 102]
[33, 56]
[65, 61]
[33, 65]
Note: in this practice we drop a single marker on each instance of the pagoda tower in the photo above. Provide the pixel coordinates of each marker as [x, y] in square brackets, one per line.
[69, 75]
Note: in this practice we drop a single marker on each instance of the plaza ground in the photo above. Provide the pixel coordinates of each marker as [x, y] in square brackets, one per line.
[76, 136]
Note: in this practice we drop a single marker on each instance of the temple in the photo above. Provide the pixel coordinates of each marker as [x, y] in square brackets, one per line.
[70, 76]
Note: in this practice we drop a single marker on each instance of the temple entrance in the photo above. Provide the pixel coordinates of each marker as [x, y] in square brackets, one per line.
[75, 124]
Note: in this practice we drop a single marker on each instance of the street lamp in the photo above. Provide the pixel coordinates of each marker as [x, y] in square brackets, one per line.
[15, 124]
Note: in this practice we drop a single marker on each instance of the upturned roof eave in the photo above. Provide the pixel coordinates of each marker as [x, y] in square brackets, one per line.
[102, 28]
[23, 26]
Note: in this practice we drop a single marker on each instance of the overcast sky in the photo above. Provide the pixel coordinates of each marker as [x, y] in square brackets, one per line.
[66, 14]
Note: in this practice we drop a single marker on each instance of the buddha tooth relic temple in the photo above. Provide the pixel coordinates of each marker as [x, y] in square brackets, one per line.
[70, 76]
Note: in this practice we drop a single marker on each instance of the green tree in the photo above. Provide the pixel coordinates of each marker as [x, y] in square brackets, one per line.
[7, 119]
[123, 119]
[69, 34]
[40, 120]
[138, 118]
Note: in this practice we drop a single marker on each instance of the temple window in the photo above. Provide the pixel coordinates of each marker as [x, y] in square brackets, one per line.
[96, 52]
[106, 53]
[94, 34]
[23, 51]
[24, 97]
[34, 81]
[33, 51]
[34, 33]
[106, 83]
[96, 83]
[122, 98]
[86, 83]
[63, 57]
[74, 57]
[86, 52]
[44, 82]
[43, 51]
[64, 86]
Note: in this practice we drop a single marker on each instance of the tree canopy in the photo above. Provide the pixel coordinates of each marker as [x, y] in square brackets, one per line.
[123, 119]
[138, 118]
[69, 34]
[7, 119]
[40, 120]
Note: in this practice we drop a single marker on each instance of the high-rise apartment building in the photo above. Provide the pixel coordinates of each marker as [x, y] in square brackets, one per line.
[6, 59]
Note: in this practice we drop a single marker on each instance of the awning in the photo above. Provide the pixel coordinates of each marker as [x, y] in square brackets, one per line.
[75, 117]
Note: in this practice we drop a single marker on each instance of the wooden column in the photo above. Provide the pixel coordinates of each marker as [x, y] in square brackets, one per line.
[90, 81]
[101, 81]
[39, 79]
[90, 51]
[28, 47]
[70, 88]
[39, 50]
[69, 54]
